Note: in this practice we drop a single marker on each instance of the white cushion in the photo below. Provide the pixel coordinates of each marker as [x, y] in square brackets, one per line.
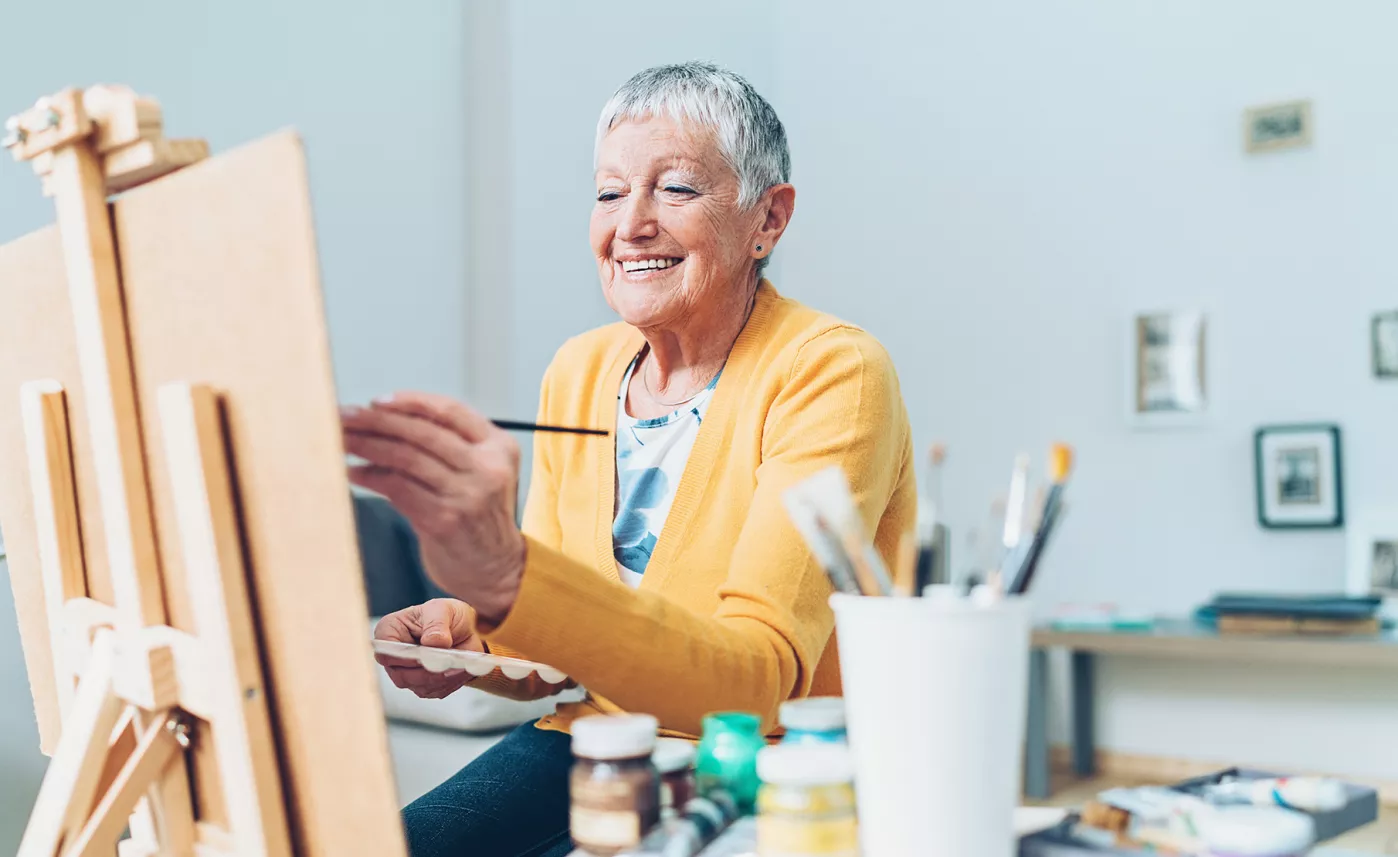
[467, 710]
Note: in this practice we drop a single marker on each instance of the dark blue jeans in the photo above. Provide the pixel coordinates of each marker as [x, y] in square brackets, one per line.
[512, 801]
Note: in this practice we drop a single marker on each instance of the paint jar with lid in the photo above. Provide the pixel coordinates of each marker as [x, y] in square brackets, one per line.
[817, 720]
[806, 805]
[728, 757]
[674, 761]
[1255, 831]
[614, 786]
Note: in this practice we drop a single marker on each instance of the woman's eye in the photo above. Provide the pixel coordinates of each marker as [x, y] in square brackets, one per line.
[608, 196]
[680, 189]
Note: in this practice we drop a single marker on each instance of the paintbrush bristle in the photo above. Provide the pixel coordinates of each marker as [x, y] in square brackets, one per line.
[1060, 463]
[937, 454]
[1014, 504]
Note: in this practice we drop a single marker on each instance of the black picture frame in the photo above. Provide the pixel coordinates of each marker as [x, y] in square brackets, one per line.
[1383, 369]
[1336, 476]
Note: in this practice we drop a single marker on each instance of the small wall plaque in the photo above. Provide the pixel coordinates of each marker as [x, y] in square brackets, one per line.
[1274, 127]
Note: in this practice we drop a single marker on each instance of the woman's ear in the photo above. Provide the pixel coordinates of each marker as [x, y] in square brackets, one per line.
[778, 203]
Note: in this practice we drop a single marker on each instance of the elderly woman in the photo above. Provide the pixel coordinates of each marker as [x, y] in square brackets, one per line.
[659, 570]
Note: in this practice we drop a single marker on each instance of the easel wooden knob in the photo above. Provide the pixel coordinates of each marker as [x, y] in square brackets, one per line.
[134, 691]
[124, 131]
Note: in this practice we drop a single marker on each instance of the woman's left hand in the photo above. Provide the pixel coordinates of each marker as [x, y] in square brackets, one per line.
[455, 477]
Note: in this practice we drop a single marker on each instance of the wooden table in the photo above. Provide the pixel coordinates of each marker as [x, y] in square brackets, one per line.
[1170, 638]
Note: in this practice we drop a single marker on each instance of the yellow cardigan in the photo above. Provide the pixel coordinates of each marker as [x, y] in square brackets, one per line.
[732, 612]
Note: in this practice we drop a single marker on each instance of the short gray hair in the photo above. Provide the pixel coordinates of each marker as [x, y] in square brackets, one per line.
[750, 135]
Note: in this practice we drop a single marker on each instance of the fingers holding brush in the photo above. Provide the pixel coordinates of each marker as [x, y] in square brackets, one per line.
[455, 476]
[418, 435]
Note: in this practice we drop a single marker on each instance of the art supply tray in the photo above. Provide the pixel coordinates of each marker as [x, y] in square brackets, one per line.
[1361, 807]
[1361, 802]
[476, 663]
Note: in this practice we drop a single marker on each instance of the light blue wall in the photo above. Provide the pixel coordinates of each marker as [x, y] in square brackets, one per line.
[375, 89]
[993, 188]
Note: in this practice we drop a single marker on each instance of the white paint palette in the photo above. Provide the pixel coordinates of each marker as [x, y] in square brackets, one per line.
[476, 663]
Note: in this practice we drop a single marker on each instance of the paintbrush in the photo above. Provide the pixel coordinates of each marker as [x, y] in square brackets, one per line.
[870, 583]
[1025, 576]
[1013, 558]
[827, 493]
[515, 425]
[936, 456]
[928, 506]
[844, 576]
[905, 570]
[869, 569]
[1060, 466]
[1014, 505]
[821, 539]
[988, 545]
[989, 592]
[988, 540]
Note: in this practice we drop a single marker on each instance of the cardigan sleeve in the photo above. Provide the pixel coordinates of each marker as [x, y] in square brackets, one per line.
[840, 405]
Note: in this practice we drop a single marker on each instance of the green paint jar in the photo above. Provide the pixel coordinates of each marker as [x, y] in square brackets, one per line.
[728, 757]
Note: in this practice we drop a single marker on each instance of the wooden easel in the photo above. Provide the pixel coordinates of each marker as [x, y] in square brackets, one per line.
[124, 733]
[138, 696]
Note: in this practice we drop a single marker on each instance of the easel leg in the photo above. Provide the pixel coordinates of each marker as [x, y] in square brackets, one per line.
[124, 739]
[158, 746]
[76, 768]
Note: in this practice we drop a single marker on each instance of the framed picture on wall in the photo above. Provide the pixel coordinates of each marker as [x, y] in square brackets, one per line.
[1372, 556]
[1168, 377]
[1273, 127]
[1384, 341]
[1298, 477]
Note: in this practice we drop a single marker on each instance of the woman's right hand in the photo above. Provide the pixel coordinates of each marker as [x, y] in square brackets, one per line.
[442, 623]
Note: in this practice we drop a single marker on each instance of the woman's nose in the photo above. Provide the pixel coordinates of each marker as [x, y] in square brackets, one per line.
[637, 218]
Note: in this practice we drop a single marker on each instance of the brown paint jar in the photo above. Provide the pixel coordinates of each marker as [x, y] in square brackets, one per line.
[674, 760]
[614, 786]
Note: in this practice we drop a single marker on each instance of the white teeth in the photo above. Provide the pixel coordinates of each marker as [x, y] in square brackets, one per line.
[648, 264]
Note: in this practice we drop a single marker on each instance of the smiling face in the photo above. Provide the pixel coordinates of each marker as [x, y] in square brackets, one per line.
[670, 239]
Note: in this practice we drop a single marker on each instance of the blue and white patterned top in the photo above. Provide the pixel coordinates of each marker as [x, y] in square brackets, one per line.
[650, 459]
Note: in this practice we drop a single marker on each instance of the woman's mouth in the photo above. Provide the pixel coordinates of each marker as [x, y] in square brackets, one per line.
[641, 266]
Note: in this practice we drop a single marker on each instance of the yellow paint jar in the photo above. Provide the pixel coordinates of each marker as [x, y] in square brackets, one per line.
[805, 807]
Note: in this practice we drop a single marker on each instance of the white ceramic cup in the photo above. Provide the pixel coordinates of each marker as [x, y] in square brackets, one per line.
[935, 697]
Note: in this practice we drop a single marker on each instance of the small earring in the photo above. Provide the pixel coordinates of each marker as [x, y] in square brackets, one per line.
[759, 248]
